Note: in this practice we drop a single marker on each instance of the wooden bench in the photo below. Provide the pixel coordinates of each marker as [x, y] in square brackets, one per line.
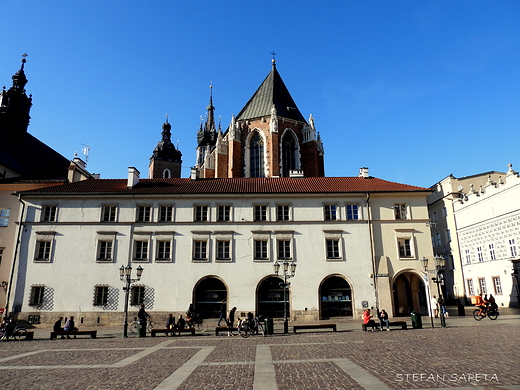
[173, 331]
[219, 329]
[315, 326]
[401, 324]
[92, 333]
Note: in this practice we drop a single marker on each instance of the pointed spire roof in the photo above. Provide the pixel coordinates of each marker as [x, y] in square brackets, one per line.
[271, 92]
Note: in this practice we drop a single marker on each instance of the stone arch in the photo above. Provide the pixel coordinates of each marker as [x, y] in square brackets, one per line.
[409, 293]
[208, 294]
[269, 297]
[336, 297]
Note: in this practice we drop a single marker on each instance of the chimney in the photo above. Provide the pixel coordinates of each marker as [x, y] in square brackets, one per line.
[363, 172]
[79, 162]
[133, 177]
[194, 173]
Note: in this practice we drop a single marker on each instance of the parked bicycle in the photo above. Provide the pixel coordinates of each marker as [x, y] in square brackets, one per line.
[17, 334]
[491, 313]
[247, 328]
[149, 325]
[198, 323]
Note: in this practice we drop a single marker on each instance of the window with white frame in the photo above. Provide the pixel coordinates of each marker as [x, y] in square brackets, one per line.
[284, 249]
[400, 211]
[137, 295]
[4, 217]
[482, 285]
[201, 213]
[144, 213]
[512, 247]
[480, 254]
[261, 250]
[200, 250]
[36, 295]
[405, 247]
[330, 212]
[497, 285]
[49, 213]
[166, 213]
[140, 250]
[492, 254]
[109, 213]
[283, 212]
[260, 211]
[467, 254]
[223, 213]
[333, 249]
[43, 250]
[223, 249]
[471, 288]
[104, 252]
[100, 295]
[352, 212]
[164, 250]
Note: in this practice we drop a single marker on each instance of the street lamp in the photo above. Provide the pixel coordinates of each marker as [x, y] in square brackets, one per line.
[424, 262]
[440, 263]
[125, 274]
[289, 270]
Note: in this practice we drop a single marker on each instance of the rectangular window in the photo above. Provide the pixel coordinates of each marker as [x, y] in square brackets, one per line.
[200, 250]
[1, 254]
[104, 251]
[284, 249]
[467, 254]
[434, 217]
[223, 250]
[144, 213]
[36, 296]
[224, 212]
[49, 213]
[444, 212]
[261, 250]
[163, 250]
[165, 213]
[333, 249]
[400, 210]
[482, 285]
[497, 285]
[405, 248]
[141, 250]
[492, 254]
[282, 212]
[4, 217]
[43, 251]
[439, 239]
[512, 247]
[331, 212]
[201, 213]
[109, 213]
[480, 254]
[136, 295]
[471, 288]
[100, 295]
[352, 212]
[260, 213]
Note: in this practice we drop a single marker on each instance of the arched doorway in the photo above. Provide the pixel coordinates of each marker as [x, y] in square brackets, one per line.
[270, 298]
[208, 295]
[409, 294]
[335, 297]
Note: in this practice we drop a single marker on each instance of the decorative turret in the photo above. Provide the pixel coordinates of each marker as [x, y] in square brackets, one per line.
[166, 159]
[207, 135]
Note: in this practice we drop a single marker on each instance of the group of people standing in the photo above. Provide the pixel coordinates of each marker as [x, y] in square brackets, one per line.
[436, 304]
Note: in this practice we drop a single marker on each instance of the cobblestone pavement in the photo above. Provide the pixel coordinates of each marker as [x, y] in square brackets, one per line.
[466, 354]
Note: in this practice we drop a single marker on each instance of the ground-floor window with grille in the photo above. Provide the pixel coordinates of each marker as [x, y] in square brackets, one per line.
[36, 296]
[100, 295]
[137, 295]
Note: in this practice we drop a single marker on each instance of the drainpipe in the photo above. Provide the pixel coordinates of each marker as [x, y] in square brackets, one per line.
[372, 252]
[13, 267]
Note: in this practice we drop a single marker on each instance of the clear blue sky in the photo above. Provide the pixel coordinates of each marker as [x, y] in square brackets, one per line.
[414, 90]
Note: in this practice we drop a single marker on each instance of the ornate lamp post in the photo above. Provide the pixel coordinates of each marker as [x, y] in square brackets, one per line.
[440, 263]
[424, 262]
[125, 274]
[289, 270]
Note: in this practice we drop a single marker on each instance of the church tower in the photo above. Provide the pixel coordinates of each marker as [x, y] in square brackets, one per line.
[14, 109]
[268, 138]
[166, 160]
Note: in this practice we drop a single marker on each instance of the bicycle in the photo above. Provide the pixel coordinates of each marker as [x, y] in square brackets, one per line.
[198, 323]
[17, 334]
[149, 325]
[246, 328]
[491, 313]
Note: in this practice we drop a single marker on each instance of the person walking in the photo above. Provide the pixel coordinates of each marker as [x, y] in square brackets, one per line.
[222, 312]
[170, 322]
[143, 316]
[433, 304]
[231, 321]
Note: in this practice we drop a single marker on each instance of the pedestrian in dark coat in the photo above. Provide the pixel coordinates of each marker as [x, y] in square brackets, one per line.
[231, 321]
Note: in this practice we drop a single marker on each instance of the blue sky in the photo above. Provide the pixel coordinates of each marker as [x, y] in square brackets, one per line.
[414, 90]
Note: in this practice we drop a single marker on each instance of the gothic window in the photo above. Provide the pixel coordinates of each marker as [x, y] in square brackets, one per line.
[257, 156]
[289, 154]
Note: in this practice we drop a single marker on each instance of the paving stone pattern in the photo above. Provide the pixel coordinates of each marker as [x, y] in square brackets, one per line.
[469, 357]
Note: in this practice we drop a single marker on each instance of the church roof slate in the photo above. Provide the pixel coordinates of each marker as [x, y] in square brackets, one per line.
[186, 186]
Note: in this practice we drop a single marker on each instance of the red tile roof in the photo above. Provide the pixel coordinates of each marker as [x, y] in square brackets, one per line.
[230, 186]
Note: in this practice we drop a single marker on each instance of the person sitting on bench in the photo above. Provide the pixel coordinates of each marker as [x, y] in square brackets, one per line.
[368, 321]
[70, 326]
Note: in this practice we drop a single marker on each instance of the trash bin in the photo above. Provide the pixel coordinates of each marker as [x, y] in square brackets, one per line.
[138, 328]
[416, 320]
[268, 325]
[141, 329]
[460, 309]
